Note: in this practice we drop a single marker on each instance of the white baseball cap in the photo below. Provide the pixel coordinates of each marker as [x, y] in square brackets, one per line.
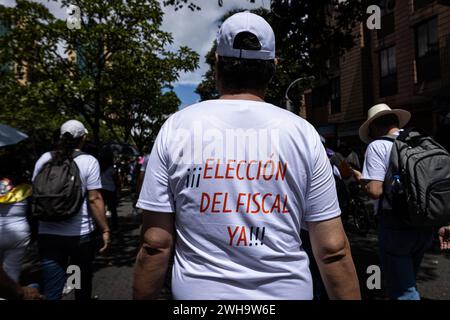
[228, 44]
[74, 127]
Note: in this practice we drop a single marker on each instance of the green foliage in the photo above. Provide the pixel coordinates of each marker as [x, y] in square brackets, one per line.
[114, 72]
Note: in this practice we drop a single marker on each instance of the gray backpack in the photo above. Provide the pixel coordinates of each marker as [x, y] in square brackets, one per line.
[417, 183]
[57, 190]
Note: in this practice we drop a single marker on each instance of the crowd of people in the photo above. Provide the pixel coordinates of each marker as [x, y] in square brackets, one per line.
[294, 253]
[61, 206]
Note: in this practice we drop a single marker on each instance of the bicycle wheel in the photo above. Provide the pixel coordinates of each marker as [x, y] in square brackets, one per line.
[361, 218]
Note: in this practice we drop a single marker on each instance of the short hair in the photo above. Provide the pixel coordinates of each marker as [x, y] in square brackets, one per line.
[239, 75]
[386, 121]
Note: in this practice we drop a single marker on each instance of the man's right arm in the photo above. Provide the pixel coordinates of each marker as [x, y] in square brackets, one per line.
[332, 253]
[98, 212]
[153, 257]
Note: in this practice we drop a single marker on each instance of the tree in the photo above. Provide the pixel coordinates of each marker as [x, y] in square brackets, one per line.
[114, 72]
[308, 33]
[26, 50]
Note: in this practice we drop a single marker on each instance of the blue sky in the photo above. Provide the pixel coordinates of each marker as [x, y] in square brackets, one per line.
[186, 94]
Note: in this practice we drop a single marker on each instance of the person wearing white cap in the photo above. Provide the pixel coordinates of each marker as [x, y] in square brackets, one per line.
[237, 222]
[75, 238]
[401, 248]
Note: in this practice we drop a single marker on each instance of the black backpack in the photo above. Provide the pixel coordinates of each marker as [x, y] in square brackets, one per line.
[417, 182]
[57, 190]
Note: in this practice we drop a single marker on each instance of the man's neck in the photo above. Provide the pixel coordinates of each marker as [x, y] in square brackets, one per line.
[242, 96]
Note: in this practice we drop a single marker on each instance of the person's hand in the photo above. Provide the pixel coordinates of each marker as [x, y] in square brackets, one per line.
[357, 175]
[106, 238]
[28, 293]
[444, 238]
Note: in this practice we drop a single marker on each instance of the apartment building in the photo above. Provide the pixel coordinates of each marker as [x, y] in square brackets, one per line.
[405, 64]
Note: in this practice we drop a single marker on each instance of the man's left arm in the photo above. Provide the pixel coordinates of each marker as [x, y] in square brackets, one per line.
[152, 261]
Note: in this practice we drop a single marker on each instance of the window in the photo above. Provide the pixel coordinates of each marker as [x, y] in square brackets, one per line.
[387, 7]
[387, 18]
[427, 51]
[335, 95]
[388, 72]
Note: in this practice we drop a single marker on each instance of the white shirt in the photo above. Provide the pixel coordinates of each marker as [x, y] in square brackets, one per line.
[145, 163]
[376, 164]
[13, 217]
[82, 223]
[238, 232]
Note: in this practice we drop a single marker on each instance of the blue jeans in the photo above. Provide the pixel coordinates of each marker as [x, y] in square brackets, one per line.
[57, 253]
[401, 252]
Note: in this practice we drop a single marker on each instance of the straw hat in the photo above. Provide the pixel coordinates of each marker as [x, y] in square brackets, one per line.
[378, 111]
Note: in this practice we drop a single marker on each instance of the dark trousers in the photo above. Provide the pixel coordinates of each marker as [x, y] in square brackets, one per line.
[57, 253]
[110, 199]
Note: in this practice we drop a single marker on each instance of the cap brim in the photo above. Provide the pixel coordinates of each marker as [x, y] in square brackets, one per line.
[403, 119]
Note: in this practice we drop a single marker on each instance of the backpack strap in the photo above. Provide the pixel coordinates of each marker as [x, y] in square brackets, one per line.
[77, 153]
[389, 137]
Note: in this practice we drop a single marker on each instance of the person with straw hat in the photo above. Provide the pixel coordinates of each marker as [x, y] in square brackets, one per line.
[401, 247]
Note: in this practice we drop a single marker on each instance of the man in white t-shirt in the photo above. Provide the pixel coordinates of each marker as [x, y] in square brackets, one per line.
[401, 248]
[233, 181]
[73, 240]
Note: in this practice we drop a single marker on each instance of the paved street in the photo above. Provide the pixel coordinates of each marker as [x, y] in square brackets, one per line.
[114, 272]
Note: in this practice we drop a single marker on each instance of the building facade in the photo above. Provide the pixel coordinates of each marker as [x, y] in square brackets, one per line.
[405, 64]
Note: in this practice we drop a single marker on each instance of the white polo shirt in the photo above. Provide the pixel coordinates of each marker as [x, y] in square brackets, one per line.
[242, 177]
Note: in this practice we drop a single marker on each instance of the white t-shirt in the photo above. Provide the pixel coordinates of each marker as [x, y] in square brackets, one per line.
[145, 163]
[82, 223]
[238, 224]
[13, 217]
[376, 164]
[107, 177]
